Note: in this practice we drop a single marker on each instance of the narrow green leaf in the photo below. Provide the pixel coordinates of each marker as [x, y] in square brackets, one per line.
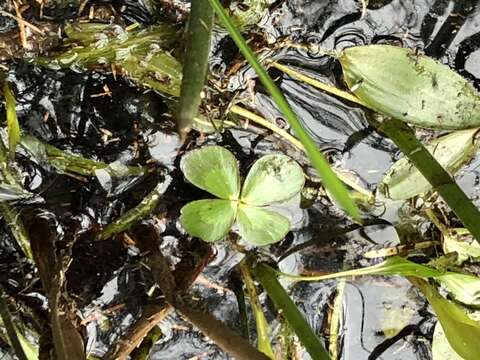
[465, 288]
[135, 214]
[12, 120]
[403, 136]
[271, 179]
[462, 332]
[10, 327]
[263, 330]
[452, 151]
[213, 169]
[330, 180]
[290, 312]
[65, 162]
[210, 219]
[195, 62]
[395, 265]
[260, 226]
[410, 87]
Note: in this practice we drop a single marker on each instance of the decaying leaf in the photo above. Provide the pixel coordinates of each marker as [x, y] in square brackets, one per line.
[141, 55]
[452, 151]
[413, 88]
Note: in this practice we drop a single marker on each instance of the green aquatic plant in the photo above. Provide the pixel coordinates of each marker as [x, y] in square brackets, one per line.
[319, 162]
[452, 151]
[413, 88]
[273, 178]
[142, 55]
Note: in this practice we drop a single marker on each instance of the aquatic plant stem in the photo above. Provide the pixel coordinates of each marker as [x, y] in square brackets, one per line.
[318, 84]
[10, 327]
[133, 215]
[238, 110]
[404, 137]
[330, 180]
[260, 321]
[195, 63]
[268, 278]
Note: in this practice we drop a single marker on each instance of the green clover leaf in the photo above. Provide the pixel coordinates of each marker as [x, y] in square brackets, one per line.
[273, 178]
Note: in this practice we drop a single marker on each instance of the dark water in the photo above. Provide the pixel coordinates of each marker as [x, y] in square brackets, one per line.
[139, 131]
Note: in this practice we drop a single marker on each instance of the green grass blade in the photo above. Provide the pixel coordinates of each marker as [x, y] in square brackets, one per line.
[263, 330]
[10, 328]
[404, 137]
[195, 63]
[12, 120]
[267, 277]
[330, 180]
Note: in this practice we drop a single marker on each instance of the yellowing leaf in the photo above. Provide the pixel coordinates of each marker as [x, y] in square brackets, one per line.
[404, 181]
[260, 226]
[210, 220]
[213, 169]
[12, 120]
[271, 179]
[413, 88]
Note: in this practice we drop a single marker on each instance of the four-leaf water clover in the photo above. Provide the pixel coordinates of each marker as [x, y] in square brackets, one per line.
[273, 178]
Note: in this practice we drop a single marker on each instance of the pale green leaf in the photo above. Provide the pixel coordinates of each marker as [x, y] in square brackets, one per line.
[413, 88]
[464, 288]
[213, 169]
[461, 331]
[404, 180]
[12, 120]
[272, 178]
[210, 219]
[260, 226]
[441, 349]
[454, 242]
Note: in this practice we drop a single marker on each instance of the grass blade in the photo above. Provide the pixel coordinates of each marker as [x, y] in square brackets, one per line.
[330, 180]
[267, 277]
[262, 326]
[195, 63]
[12, 120]
[10, 328]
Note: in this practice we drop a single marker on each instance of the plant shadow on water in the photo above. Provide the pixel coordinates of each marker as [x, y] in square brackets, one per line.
[108, 119]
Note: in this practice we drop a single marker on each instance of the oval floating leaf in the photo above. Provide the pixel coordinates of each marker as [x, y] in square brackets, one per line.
[210, 219]
[410, 87]
[272, 178]
[404, 181]
[213, 169]
[260, 226]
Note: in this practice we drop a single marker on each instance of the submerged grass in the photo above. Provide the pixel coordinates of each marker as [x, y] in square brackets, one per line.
[195, 63]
